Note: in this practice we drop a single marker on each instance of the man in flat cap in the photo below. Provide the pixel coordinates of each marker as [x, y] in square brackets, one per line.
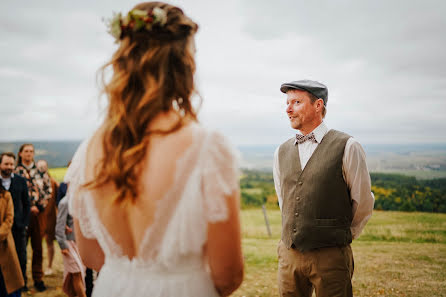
[323, 186]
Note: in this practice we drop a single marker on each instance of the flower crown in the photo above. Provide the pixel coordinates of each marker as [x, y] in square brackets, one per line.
[136, 20]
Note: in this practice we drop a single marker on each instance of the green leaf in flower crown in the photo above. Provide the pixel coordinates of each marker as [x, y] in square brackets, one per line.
[139, 23]
[115, 30]
[114, 25]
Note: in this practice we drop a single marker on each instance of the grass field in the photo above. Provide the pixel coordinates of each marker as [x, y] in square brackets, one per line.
[58, 173]
[398, 254]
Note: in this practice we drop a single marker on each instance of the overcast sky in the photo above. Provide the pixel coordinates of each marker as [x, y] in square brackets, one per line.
[384, 63]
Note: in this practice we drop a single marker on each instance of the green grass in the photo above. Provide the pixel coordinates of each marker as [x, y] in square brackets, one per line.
[398, 254]
[406, 227]
[58, 173]
[253, 191]
[390, 226]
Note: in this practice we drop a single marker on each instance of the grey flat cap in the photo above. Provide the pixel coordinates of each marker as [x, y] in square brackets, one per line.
[316, 88]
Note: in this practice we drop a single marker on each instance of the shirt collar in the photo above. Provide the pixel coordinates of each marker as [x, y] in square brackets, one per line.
[319, 132]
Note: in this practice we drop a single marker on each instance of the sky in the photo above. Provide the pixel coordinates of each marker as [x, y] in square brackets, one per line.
[384, 63]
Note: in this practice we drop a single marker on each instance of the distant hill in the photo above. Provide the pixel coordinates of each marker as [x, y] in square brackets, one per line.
[423, 161]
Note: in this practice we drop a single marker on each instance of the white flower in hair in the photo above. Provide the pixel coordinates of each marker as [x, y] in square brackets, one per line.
[114, 25]
[160, 15]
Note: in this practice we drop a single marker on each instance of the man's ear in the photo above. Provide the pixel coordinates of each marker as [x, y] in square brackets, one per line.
[319, 104]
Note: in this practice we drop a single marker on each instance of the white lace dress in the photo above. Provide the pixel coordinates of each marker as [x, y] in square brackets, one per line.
[171, 260]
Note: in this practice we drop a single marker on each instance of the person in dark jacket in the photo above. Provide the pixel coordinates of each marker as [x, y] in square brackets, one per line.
[61, 192]
[62, 189]
[16, 185]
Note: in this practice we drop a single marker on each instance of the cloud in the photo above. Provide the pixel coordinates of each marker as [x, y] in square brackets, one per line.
[383, 62]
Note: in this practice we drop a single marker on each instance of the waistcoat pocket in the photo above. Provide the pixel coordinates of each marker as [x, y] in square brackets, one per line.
[327, 222]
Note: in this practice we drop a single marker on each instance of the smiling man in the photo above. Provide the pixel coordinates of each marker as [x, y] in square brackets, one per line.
[323, 186]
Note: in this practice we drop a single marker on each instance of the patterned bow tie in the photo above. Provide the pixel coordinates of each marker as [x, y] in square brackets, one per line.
[302, 138]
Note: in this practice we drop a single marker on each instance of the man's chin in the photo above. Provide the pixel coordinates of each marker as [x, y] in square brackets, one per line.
[6, 173]
[295, 126]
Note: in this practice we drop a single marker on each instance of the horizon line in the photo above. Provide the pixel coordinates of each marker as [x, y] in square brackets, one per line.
[21, 141]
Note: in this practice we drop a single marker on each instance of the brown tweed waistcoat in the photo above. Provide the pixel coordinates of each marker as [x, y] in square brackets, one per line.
[316, 208]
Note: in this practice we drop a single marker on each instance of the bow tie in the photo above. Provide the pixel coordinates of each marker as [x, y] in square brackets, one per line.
[302, 138]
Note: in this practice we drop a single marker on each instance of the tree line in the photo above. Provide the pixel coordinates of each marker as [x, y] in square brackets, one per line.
[392, 191]
[406, 193]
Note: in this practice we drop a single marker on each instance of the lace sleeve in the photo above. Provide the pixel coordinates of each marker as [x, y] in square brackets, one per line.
[220, 176]
[77, 204]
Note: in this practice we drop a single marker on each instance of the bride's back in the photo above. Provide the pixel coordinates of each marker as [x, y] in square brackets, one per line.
[130, 165]
[127, 222]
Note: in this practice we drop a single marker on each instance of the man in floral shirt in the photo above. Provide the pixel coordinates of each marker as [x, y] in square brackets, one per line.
[39, 195]
[27, 169]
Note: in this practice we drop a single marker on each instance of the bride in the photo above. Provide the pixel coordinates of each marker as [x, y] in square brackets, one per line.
[154, 195]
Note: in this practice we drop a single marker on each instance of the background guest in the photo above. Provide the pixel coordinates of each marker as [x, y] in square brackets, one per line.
[73, 284]
[11, 279]
[62, 190]
[39, 199]
[16, 185]
[50, 212]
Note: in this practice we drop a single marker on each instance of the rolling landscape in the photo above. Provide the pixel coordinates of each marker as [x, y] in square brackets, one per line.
[401, 252]
[424, 161]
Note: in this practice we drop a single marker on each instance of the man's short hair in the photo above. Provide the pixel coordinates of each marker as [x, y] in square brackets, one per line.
[9, 154]
[313, 99]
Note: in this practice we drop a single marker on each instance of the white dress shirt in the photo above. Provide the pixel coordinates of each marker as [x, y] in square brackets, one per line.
[6, 182]
[354, 170]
